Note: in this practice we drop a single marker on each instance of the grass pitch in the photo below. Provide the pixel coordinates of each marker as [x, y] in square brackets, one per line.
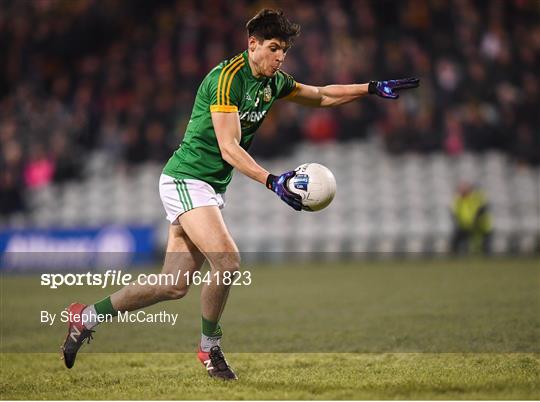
[458, 329]
[274, 376]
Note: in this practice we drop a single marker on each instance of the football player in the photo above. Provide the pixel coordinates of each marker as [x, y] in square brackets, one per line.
[231, 103]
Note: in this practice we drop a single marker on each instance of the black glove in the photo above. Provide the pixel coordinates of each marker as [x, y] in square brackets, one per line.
[278, 184]
[386, 89]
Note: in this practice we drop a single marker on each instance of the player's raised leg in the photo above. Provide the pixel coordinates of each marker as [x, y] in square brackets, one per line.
[206, 228]
[181, 255]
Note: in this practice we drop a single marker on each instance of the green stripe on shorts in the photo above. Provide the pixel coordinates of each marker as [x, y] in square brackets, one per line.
[189, 202]
[177, 182]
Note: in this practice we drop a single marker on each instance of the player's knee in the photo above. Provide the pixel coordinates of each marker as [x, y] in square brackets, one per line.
[235, 262]
[172, 292]
[230, 262]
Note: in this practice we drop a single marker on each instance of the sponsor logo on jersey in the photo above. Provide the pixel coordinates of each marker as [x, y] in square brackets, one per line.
[252, 117]
[301, 181]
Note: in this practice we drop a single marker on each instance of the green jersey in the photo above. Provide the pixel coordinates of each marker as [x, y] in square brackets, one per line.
[231, 88]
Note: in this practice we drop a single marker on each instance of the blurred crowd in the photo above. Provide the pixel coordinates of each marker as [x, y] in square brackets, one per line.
[120, 77]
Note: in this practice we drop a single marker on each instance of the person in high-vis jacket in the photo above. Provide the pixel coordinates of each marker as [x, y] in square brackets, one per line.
[472, 220]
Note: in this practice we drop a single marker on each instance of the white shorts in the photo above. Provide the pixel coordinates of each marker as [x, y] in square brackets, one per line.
[181, 195]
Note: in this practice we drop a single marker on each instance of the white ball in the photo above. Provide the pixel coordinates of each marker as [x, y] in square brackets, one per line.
[316, 185]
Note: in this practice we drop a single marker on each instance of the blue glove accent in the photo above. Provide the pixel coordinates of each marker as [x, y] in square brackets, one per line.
[278, 184]
[385, 89]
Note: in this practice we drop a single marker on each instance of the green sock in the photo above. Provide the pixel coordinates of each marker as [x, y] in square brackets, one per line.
[210, 328]
[105, 307]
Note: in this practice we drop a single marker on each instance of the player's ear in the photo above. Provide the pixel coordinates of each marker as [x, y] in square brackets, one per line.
[252, 43]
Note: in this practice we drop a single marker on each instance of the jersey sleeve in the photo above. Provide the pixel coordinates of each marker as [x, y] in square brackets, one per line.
[226, 87]
[289, 87]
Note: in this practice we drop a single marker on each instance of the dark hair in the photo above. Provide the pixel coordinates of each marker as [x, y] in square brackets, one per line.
[268, 24]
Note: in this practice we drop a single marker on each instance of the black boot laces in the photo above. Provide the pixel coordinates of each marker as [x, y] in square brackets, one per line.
[87, 335]
[217, 359]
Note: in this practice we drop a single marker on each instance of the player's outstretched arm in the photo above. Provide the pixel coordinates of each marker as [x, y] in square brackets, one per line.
[335, 95]
[228, 134]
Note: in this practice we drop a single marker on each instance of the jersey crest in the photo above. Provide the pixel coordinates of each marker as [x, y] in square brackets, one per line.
[267, 93]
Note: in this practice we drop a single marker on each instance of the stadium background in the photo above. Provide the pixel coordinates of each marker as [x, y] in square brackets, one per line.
[94, 98]
[96, 95]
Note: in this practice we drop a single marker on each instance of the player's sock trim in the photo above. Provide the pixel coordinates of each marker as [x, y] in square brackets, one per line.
[105, 307]
[183, 186]
[210, 328]
[208, 342]
[90, 317]
[177, 182]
